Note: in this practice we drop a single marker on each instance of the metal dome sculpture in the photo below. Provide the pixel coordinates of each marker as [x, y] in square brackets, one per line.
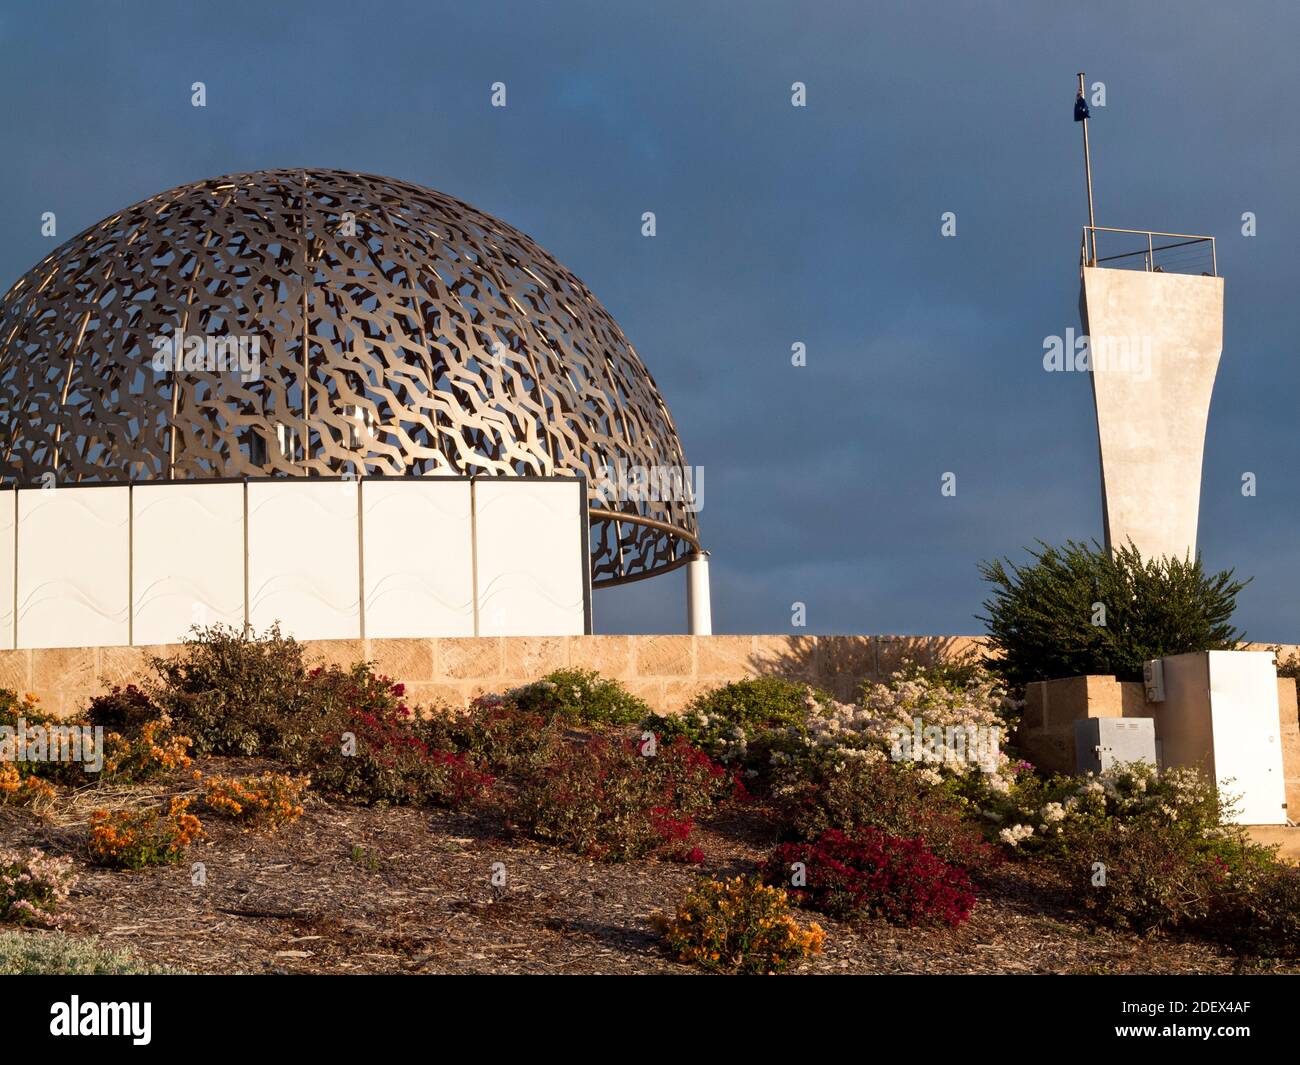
[399, 332]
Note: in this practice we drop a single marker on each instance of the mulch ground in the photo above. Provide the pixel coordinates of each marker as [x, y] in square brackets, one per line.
[386, 890]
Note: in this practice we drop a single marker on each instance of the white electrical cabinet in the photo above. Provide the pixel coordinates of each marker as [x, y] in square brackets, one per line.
[1220, 714]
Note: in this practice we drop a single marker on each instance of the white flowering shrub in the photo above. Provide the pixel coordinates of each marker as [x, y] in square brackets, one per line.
[953, 734]
[33, 886]
[1047, 814]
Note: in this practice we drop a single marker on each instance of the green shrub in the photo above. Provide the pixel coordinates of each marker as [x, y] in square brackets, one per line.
[1262, 917]
[1147, 851]
[254, 694]
[494, 734]
[580, 697]
[235, 693]
[888, 796]
[608, 799]
[740, 723]
[1288, 666]
[770, 702]
[1042, 617]
[56, 954]
[1145, 878]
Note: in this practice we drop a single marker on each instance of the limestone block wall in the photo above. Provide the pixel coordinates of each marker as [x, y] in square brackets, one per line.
[666, 671]
[1053, 706]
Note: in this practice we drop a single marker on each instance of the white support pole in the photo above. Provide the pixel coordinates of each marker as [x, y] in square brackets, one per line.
[699, 613]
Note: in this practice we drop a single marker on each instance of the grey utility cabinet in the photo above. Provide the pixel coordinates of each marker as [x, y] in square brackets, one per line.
[1101, 742]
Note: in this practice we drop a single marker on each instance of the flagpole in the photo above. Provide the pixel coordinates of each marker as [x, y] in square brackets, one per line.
[1087, 168]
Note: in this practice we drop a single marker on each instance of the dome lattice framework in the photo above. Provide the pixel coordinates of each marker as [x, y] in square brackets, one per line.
[401, 332]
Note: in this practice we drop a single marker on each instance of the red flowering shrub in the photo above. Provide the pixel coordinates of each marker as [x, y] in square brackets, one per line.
[122, 709]
[613, 799]
[869, 873]
[497, 735]
[368, 746]
[888, 796]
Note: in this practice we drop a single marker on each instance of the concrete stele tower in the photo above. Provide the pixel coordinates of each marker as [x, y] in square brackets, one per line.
[1155, 340]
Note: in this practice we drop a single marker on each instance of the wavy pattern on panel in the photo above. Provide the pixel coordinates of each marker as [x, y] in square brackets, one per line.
[413, 583]
[296, 586]
[191, 502]
[173, 587]
[62, 591]
[83, 502]
[513, 581]
[451, 504]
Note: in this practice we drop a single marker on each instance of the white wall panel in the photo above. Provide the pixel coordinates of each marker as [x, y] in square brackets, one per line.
[418, 564]
[189, 558]
[303, 558]
[8, 530]
[73, 566]
[424, 540]
[532, 555]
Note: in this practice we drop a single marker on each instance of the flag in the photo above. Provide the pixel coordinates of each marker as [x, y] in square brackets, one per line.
[1081, 108]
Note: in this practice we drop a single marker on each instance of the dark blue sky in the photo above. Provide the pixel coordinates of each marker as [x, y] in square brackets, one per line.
[775, 225]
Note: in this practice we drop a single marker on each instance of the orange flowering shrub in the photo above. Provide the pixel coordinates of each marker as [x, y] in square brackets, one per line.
[151, 750]
[271, 800]
[13, 707]
[738, 926]
[24, 782]
[133, 839]
[19, 790]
